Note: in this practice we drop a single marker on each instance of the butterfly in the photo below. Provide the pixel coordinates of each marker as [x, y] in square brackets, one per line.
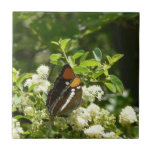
[66, 94]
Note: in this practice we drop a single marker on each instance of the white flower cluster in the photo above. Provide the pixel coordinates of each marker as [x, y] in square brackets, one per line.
[17, 130]
[79, 118]
[21, 102]
[93, 109]
[43, 71]
[110, 134]
[105, 118]
[37, 120]
[39, 80]
[95, 131]
[92, 92]
[127, 116]
[29, 110]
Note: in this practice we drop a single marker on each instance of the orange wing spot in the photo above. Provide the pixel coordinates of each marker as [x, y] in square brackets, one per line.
[68, 73]
[75, 82]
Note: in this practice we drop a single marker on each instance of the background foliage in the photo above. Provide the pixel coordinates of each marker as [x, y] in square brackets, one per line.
[88, 40]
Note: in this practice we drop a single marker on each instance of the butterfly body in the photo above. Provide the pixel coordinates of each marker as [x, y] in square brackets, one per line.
[66, 95]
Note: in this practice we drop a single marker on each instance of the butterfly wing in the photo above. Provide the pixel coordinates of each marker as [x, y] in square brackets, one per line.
[60, 86]
[70, 100]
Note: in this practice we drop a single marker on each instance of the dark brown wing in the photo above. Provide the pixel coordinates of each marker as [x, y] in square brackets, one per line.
[60, 84]
[70, 100]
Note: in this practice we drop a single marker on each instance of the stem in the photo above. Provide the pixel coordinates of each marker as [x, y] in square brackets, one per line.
[65, 56]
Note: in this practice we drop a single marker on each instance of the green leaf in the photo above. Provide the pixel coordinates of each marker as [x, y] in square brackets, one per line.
[56, 43]
[13, 110]
[64, 44]
[117, 57]
[55, 57]
[109, 59]
[17, 99]
[71, 61]
[80, 69]
[90, 63]
[57, 62]
[18, 116]
[83, 57]
[23, 77]
[97, 54]
[31, 87]
[111, 87]
[32, 98]
[89, 31]
[117, 134]
[44, 97]
[26, 133]
[21, 116]
[14, 70]
[117, 82]
[78, 54]
[97, 74]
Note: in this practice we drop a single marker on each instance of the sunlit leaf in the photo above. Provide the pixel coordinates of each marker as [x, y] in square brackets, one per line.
[56, 43]
[26, 133]
[57, 62]
[78, 54]
[90, 63]
[84, 56]
[111, 87]
[97, 54]
[109, 59]
[55, 57]
[97, 74]
[64, 43]
[116, 57]
[14, 70]
[13, 109]
[80, 69]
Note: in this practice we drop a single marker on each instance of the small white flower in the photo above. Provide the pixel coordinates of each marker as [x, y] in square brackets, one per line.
[44, 113]
[95, 131]
[17, 130]
[81, 122]
[28, 83]
[82, 112]
[43, 71]
[28, 110]
[42, 86]
[79, 118]
[35, 78]
[39, 80]
[109, 134]
[127, 116]
[93, 109]
[92, 92]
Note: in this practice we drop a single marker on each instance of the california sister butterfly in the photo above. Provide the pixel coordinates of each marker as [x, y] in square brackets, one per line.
[66, 94]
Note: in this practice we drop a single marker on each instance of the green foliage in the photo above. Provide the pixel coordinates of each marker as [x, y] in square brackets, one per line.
[97, 54]
[90, 63]
[37, 40]
[32, 113]
[23, 77]
[111, 87]
[117, 82]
